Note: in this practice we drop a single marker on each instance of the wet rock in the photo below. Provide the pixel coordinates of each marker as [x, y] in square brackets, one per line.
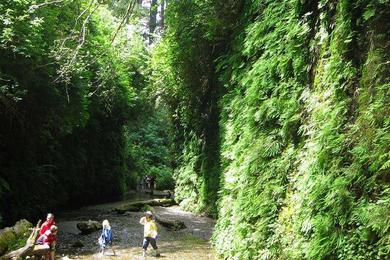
[171, 224]
[78, 244]
[128, 208]
[87, 227]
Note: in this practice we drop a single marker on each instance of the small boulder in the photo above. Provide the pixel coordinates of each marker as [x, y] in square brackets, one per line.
[174, 225]
[87, 227]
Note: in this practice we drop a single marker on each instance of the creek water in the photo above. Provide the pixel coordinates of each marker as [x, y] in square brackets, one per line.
[189, 243]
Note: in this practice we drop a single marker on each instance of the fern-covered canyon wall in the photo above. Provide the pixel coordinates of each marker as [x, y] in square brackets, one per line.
[184, 77]
[300, 153]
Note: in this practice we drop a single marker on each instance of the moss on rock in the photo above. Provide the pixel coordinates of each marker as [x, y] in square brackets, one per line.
[14, 237]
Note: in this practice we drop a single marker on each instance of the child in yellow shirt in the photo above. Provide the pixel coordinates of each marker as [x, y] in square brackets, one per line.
[150, 232]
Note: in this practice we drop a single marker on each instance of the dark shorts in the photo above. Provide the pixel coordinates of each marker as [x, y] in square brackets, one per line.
[105, 245]
[150, 240]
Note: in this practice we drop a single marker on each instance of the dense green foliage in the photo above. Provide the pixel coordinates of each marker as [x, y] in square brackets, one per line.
[303, 113]
[272, 116]
[150, 151]
[69, 93]
[183, 76]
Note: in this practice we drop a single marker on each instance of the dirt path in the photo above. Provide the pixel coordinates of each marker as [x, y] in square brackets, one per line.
[189, 243]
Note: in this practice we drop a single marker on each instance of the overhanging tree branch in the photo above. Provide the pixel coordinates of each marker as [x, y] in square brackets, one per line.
[35, 7]
[129, 9]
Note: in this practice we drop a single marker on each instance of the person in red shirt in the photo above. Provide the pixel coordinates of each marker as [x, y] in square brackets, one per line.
[47, 224]
[48, 240]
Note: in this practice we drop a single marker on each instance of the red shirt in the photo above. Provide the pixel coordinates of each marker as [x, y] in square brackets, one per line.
[46, 226]
[47, 239]
[50, 238]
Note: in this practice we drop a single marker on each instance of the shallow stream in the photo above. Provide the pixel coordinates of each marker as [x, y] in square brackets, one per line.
[189, 243]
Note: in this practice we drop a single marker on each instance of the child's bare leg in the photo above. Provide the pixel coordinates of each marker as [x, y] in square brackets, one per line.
[112, 247]
[46, 256]
[52, 255]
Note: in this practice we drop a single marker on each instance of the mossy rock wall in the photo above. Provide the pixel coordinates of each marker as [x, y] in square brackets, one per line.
[306, 132]
[301, 163]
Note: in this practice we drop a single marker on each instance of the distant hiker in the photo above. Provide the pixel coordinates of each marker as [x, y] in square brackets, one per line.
[105, 238]
[150, 233]
[144, 182]
[151, 180]
[47, 224]
[148, 181]
[169, 194]
[48, 240]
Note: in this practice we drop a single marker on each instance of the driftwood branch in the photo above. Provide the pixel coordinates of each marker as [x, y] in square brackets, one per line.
[29, 247]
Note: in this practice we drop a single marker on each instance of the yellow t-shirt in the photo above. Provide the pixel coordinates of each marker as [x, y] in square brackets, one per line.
[150, 227]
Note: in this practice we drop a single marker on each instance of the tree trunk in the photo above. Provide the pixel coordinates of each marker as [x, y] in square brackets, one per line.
[162, 21]
[152, 20]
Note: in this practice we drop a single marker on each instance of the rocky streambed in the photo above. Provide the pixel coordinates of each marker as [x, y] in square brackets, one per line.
[189, 242]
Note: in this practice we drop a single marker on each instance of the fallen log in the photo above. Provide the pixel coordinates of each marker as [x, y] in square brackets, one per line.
[29, 249]
[138, 205]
